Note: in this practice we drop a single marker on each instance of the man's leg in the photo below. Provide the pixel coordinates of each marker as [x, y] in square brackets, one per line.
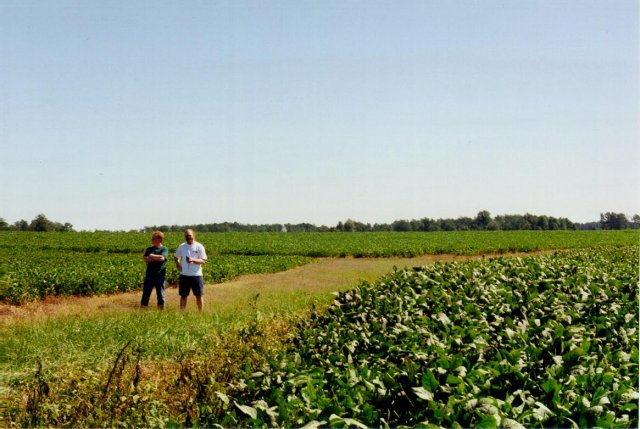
[183, 290]
[198, 291]
[160, 291]
[146, 292]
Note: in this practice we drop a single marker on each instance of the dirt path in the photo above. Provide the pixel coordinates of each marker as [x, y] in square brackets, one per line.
[327, 274]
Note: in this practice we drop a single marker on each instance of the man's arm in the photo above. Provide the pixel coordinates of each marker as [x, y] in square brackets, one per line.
[154, 258]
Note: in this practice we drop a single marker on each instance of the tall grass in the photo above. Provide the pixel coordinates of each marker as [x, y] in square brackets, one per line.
[125, 386]
[97, 368]
[90, 341]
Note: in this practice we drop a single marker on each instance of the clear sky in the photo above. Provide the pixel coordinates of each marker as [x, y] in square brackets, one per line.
[121, 114]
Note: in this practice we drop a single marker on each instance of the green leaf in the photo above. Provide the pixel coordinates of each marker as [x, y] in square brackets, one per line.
[487, 422]
[452, 380]
[429, 381]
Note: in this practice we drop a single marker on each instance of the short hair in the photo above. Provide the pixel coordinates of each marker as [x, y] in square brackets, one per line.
[158, 234]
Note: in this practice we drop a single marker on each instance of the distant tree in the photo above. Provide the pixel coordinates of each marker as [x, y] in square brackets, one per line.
[41, 223]
[425, 223]
[543, 223]
[3, 225]
[306, 227]
[21, 225]
[447, 224]
[589, 226]
[482, 220]
[464, 223]
[415, 225]
[379, 227]
[363, 227]
[351, 225]
[401, 226]
[635, 221]
[611, 220]
[564, 223]
[430, 225]
[300, 227]
[530, 221]
[493, 226]
[510, 222]
[554, 224]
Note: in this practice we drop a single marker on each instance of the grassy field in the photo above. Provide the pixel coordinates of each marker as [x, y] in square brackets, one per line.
[51, 347]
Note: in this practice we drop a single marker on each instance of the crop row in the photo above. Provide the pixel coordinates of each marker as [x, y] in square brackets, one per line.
[35, 265]
[36, 274]
[374, 244]
[540, 341]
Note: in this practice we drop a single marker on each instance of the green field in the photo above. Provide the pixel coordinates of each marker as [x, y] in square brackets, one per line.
[539, 341]
[555, 331]
[103, 263]
[374, 244]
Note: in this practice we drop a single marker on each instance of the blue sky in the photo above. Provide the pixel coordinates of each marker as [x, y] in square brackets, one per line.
[119, 114]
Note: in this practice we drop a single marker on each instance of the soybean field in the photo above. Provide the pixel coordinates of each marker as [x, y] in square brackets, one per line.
[547, 341]
[547, 337]
[36, 265]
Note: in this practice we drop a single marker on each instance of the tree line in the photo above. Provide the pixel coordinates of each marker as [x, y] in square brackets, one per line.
[611, 220]
[39, 223]
[483, 221]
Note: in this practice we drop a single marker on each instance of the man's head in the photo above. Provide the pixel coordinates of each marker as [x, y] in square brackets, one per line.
[190, 236]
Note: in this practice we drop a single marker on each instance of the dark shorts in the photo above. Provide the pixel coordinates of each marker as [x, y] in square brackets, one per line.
[190, 284]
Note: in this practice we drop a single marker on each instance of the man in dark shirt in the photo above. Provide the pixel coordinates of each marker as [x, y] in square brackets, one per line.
[156, 259]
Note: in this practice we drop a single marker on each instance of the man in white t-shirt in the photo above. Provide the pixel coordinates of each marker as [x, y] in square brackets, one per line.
[190, 257]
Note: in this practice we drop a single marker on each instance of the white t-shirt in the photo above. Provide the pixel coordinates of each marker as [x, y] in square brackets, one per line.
[195, 250]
